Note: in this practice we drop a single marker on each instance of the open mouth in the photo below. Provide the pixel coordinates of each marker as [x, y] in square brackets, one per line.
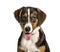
[27, 36]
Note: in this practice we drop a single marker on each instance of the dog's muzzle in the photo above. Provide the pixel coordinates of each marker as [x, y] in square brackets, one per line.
[28, 31]
[28, 28]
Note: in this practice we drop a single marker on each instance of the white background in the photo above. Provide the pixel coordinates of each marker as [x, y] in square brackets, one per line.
[10, 29]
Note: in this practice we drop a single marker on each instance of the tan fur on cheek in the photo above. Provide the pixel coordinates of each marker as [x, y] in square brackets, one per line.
[22, 25]
[34, 25]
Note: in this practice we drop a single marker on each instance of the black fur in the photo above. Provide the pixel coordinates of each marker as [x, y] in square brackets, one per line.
[19, 40]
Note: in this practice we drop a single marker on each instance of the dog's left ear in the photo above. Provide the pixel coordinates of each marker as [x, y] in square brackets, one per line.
[17, 14]
[41, 16]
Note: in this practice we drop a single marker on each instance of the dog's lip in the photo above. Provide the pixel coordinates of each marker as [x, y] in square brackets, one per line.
[27, 33]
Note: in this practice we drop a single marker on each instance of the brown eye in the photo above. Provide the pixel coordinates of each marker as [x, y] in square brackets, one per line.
[33, 19]
[24, 19]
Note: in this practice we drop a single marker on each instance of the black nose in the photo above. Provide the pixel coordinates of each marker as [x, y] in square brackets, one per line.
[27, 29]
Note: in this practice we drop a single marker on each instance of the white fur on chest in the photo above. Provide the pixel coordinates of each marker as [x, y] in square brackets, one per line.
[30, 44]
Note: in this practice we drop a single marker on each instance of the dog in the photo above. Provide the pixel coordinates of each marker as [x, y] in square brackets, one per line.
[32, 38]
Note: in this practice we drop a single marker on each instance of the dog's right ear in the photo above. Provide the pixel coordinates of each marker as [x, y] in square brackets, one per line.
[41, 16]
[17, 14]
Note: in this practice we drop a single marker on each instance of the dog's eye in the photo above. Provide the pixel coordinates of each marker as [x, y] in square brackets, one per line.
[33, 19]
[24, 19]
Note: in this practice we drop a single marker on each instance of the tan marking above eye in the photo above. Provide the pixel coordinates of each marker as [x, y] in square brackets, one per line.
[32, 15]
[25, 14]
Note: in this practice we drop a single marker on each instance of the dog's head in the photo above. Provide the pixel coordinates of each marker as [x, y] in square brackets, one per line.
[29, 18]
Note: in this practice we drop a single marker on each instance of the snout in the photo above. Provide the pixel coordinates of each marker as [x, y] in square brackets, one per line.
[28, 31]
[28, 28]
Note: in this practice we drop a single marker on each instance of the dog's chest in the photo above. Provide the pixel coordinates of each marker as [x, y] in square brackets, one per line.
[30, 44]
[26, 43]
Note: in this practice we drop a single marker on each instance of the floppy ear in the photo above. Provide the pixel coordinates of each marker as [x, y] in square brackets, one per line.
[41, 16]
[17, 14]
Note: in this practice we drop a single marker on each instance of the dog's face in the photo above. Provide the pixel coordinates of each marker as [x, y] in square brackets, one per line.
[29, 18]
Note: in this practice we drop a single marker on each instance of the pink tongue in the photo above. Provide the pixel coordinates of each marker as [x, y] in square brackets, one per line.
[27, 36]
